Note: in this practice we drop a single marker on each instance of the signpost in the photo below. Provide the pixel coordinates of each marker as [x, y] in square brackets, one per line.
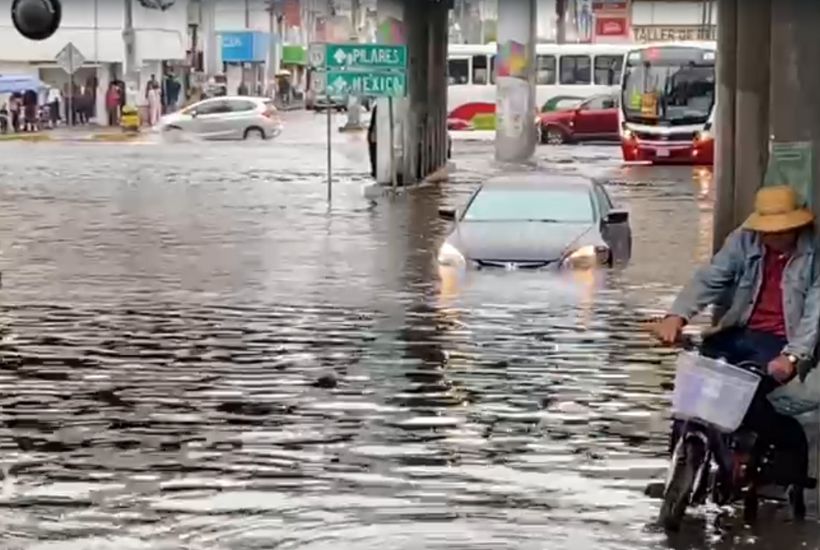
[375, 70]
[70, 59]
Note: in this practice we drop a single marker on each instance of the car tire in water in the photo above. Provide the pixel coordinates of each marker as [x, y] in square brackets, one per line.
[254, 133]
[679, 490]
[552, 135]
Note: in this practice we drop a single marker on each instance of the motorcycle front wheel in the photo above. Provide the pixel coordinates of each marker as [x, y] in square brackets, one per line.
[678, 491]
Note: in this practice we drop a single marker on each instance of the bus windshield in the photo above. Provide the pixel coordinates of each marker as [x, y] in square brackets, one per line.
[669, 86]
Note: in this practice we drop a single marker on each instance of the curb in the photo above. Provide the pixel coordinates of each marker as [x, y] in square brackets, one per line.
[99, 137]
[374, 191]
[25, 137]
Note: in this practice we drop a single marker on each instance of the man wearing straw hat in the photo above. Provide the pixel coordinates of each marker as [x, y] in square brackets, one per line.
[767, 277]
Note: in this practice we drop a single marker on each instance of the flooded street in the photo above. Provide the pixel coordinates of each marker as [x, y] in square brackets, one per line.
[199, 353]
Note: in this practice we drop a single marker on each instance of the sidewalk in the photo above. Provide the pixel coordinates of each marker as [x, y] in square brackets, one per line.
[88, 132]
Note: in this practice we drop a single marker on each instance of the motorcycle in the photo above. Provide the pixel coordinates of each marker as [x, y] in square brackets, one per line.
[715, 458]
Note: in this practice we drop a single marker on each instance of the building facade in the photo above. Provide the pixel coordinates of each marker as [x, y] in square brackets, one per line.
[95, 28]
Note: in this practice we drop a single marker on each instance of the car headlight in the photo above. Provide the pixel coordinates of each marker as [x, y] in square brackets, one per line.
[449, 255]
[587, 256]
[704, 135]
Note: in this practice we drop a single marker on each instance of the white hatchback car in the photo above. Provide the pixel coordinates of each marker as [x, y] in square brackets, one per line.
[228, 117]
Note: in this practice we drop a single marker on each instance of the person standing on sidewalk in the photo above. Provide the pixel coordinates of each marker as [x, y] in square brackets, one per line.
[154, 104]
[112, 104]
[30, 111]
[371, 142]
[15, 106]
[54, 100]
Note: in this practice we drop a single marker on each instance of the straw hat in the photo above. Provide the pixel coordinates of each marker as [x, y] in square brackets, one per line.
[777, 209]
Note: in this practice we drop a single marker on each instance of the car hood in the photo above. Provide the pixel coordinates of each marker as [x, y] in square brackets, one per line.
[518, 241]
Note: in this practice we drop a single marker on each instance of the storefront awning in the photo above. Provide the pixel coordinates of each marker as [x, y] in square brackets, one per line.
[294, 55]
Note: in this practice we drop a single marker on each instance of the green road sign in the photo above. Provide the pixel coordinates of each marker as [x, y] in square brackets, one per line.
[366, 57]
[374, 84]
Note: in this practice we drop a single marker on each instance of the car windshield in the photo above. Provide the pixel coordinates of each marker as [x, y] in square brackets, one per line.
[544, 205]
[670, 86]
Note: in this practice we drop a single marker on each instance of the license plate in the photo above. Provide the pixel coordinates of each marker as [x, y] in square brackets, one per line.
[662, 152]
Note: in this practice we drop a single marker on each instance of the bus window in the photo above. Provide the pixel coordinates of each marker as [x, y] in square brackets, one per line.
[576, 69]
[545, 70]
[458, 71]
[480, 69]
[608, 69]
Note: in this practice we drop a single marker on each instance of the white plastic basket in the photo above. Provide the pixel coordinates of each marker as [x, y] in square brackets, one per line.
[712, 391]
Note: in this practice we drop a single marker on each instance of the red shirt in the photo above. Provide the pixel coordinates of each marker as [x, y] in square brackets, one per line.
[767, 315]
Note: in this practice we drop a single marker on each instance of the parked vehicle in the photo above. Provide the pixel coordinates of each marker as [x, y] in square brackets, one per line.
[595, 119]
[230, 117]
[564, 73]
[537, 220]
[715, 457]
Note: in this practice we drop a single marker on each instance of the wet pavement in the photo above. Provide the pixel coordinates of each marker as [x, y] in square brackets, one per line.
[199, 353]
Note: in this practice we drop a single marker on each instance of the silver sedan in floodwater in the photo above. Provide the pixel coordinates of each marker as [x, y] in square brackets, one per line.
[230, 117]
[537, 220]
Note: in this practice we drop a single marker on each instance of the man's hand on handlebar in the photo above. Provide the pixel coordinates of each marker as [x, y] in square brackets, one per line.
[781, 369]
[669, 329]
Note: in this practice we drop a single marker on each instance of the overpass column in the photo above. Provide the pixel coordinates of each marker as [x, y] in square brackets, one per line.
[725, 122]
[795, 81]
[515, 81]
[391, 31]
[437, 83]
[751, 103]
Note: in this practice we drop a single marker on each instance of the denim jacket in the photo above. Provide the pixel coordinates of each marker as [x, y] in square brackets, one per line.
[733, 279]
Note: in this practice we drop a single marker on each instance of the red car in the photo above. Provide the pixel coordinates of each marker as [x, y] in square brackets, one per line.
[594, 119]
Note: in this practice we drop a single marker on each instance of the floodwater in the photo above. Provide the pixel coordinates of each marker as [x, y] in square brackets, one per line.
[198, 353]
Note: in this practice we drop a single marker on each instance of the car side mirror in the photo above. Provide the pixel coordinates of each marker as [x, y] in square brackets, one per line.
[617, 216]
[447, 213]
[194, 114]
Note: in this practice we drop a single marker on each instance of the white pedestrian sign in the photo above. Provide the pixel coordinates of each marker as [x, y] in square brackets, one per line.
[70, 58]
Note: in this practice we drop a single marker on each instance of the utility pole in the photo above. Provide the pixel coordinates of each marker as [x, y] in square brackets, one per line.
[131, 72]
[274, 29]
[354, 121]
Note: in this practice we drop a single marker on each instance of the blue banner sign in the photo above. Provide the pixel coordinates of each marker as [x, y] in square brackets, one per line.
[244, 46]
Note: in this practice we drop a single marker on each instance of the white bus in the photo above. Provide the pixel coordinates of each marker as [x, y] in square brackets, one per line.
[566, 74]
[667, 103]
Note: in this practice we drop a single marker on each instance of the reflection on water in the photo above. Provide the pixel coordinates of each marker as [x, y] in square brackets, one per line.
[196, 354]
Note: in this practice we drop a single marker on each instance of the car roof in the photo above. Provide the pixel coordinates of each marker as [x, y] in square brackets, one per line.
[236, 97]
[539, 181]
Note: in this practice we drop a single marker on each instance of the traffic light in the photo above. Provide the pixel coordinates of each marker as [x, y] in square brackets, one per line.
[36, 19]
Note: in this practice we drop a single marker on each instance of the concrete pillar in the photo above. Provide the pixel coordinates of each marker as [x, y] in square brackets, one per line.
[751, 104]
[437, 83]
[725, 121]
[389, 10]
[515, 104]
[416, 25]
[795, 83]
[210, 40]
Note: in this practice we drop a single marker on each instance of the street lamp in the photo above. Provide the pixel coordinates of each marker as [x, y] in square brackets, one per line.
[36, 19]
